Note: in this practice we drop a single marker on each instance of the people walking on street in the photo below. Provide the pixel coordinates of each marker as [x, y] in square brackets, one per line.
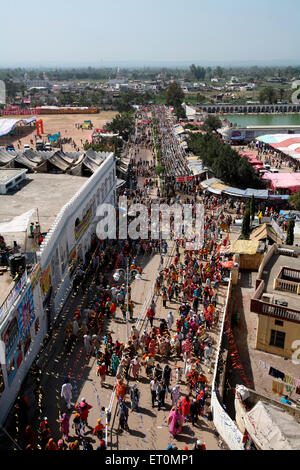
[123, 416]
[175, 421]
[134, 397]
[66, 392]
[83, 408]
[153, 389]
[194, 411]
[98, 429]
[102, 373]
[64, 421]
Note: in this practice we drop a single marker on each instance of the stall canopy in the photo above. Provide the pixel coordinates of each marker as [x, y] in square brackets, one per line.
[289, 144]
[258, 193]
[244, 247]
[283, 180]
[272, 428]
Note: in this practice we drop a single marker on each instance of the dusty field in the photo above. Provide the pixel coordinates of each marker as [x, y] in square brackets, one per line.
[63, 123]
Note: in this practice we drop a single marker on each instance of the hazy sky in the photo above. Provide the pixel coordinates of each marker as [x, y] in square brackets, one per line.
[102, 32]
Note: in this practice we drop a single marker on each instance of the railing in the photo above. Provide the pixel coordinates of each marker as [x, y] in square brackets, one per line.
[285, 313]
[288, 280]
[291, 273]
[287, 286]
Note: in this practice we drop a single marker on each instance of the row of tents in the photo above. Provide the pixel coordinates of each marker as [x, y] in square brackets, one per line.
[74, 163]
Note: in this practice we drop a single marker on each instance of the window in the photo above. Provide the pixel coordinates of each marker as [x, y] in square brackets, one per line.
[279, 322]
[277, 339]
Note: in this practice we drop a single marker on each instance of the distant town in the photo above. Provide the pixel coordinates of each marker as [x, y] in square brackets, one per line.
[116, 88]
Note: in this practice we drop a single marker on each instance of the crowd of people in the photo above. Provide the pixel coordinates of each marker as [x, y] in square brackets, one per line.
[175, 354]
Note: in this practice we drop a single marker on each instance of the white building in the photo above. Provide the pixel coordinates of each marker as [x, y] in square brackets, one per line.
[23, 317]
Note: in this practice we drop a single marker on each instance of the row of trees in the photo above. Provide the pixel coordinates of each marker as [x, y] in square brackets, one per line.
[225, 162]
[175, 97]
[271, 95]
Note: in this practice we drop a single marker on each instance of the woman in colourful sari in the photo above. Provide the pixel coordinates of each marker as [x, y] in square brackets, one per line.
[175, 421]
[114, 363]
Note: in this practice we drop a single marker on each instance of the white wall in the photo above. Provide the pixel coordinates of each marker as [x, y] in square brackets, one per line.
[54, 251]
[12, 389]
[60, 240]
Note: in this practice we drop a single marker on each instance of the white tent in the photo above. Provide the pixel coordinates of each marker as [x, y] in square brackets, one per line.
[7, 125]
[272, 428]
[17, 224]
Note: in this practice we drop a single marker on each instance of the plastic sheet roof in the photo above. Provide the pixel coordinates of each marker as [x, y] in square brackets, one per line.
[286, 143]
[265, 231]
[272, 428]
[216, 186]
[283, 180]
[244, 247]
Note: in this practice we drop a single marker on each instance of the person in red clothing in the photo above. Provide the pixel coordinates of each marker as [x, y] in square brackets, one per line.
[184, 406]
[150, 315]
[51, 445]
[83, 409]
[30, 437]
[102, 372]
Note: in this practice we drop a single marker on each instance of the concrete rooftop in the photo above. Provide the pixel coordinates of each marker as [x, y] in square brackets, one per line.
[271, 272]
[44, 191]
[9, 173]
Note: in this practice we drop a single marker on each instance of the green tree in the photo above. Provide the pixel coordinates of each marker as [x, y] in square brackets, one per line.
[246, 224]
[224, 162]
[219, 72]
[268, 95]
[211, 123]
[290, 232]
[174, 95]
[201, 98]
[180, 112]
[197, 72]
[281, 93]
[121, 124]
[294, 200]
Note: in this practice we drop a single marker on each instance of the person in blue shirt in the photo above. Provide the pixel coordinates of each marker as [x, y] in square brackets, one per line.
[286, 400]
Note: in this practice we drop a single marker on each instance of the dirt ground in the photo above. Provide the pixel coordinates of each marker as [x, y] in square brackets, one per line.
[63, 123]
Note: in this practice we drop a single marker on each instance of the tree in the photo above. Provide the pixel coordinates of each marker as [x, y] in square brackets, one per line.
[281, 93]
[211, 123]
[294, 200]
[180, 112]
[121, 124]
[224, 161]
[174, 95]
[219, 72]
[246, 224]
[290, 232]
[268, 95]
[201, 98]
[197, 72]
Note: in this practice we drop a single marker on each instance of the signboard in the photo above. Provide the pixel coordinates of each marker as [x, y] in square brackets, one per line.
[83, 225]
[35, 275]
[45, 284]
[11, 298]
[184, 179]
[13, 352]
[26, 314]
